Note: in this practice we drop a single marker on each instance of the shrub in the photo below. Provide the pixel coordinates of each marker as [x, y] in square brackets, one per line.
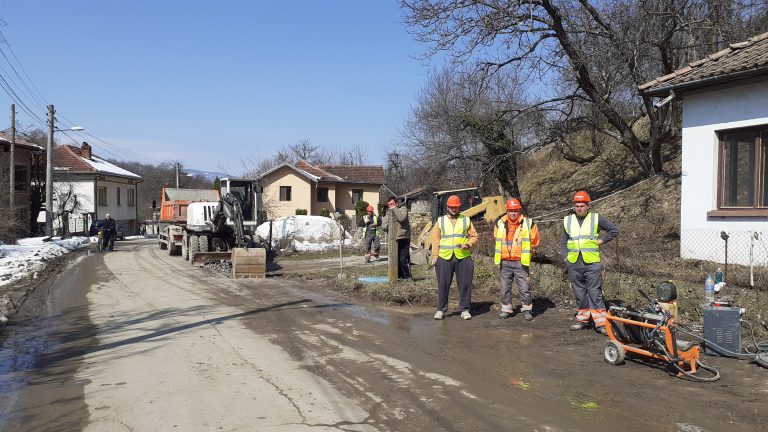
[324, 212]
[301, 212]
[361, 208]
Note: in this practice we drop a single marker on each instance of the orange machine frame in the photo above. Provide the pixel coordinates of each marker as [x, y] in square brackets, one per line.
[688, 357]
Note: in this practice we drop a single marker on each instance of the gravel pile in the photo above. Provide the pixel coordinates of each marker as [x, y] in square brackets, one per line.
[221, 267]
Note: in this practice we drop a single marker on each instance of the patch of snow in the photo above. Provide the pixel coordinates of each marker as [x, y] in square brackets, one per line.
[105, 167]
[28, 256]
[305, 233]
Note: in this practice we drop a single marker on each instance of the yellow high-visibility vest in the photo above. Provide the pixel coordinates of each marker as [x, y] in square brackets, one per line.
[582, 239]
[366, 218]
[523, 239]
[452, 236]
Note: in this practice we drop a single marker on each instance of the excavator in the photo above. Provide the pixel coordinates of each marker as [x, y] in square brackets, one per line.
[482, 211]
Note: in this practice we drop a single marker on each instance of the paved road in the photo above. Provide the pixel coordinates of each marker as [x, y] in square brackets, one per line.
[136, 340]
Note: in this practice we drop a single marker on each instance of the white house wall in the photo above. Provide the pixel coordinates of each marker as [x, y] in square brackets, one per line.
[704, 114]
[122, 212]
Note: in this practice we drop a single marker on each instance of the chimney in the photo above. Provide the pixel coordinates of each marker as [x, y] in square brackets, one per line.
[85, 150]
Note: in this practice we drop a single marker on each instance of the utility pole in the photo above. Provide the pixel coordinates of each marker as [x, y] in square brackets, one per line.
[12, 169]
[49, 174]
[178, 168]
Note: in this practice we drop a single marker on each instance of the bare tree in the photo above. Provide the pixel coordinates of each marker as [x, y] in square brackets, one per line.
[67, 203]
[587, 58]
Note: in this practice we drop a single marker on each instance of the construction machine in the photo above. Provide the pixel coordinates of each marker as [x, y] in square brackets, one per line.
[482, 211]
[211, 225]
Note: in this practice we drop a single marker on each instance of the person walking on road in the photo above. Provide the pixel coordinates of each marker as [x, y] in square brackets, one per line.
[580, 249]
[372, 225]
[452, 239]
[109, 233]
[516, 238]
[397, 218]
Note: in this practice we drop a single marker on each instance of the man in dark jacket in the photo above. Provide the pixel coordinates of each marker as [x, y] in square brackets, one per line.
[397, 219]
[109, 232]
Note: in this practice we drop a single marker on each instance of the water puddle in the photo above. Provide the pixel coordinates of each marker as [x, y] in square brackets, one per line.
[352, 309]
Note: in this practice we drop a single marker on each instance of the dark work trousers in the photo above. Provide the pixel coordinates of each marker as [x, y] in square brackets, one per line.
[404, 258]
[372, 242]
[587, 283]
[464, 269]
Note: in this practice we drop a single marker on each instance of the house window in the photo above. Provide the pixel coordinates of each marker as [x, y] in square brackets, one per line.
[102, 195]
[744, 169]
[21, 178]
[357, 195]
[131, 197]
[285, 193]
[322, 194]
[118, 195]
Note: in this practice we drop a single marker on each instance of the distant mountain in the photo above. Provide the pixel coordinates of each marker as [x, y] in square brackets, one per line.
[208, 175]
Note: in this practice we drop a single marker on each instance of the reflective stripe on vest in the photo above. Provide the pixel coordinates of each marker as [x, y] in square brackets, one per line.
[582, 239]
[524, 242]
[452, 236]
[375, 221]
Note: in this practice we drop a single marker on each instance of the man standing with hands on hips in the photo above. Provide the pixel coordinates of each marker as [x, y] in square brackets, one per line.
[580, 249]
[452, 238]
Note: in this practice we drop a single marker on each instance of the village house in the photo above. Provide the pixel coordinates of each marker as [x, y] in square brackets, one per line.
[99, 186]
[335, 188]
[22, 186]
[724, 152]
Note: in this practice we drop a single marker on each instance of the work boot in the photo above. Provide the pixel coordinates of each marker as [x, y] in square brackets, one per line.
[527, 315]
[579, 326]
[504, 315]
[439, 315]
[466, 315]
[601, 330]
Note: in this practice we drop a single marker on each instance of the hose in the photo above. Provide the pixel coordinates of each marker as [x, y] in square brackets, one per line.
[688, 375]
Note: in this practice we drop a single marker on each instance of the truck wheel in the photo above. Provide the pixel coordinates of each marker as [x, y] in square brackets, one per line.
[204, 244]
[163, 245]
[194, 247]
[185, 247]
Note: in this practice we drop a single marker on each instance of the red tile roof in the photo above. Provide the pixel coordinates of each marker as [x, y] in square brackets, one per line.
[368, 174]
[740, 60]
[316, 171]
[5, 138]
[67, 158]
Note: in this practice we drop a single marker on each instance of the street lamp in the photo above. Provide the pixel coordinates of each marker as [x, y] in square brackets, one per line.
[49, 169]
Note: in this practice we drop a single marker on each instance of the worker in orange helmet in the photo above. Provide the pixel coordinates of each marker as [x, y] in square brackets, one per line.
[371, 224]
[452, 239]
[516, 238]
[580, 249]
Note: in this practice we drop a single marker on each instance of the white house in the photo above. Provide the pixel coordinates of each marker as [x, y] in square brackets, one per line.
[99, 186]
[725, 152]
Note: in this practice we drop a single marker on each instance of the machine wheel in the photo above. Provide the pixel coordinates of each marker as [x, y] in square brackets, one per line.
[194, 247]
[204, 243]
[614, 352]
[185, 247]
[163, 245]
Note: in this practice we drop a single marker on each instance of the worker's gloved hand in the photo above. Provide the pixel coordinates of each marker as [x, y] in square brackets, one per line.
[465, 246]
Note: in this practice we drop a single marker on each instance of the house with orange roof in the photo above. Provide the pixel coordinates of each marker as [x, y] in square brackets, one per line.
[304, 186]
[724, 188]
[100, 186]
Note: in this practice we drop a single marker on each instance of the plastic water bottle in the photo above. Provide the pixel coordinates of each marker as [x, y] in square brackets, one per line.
[718, 276]
[709, 289]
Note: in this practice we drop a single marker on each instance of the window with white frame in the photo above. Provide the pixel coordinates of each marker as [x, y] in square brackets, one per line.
[743, 169]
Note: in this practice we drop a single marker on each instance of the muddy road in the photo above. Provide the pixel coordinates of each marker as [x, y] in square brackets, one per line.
[136, 340]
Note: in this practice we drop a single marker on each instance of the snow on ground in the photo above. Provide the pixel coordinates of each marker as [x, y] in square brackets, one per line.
[29, 255]
[304, 233]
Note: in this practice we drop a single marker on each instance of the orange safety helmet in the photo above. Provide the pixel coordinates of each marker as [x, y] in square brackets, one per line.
[453, 201]
[370, 207]
[513, 204]
[581, 197]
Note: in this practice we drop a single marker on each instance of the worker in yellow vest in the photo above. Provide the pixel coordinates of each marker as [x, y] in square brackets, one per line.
[452, 238]
[516, 238]
[580, 249]
[372, 225]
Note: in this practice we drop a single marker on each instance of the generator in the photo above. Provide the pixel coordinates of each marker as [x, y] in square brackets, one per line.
[722, 331]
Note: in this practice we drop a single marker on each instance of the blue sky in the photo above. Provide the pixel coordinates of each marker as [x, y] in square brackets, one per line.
[214, 82]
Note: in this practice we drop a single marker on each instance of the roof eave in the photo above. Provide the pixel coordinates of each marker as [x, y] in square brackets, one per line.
[663, 90]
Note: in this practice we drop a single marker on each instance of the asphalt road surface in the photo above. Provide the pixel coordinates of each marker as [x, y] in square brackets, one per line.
[135, 340]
